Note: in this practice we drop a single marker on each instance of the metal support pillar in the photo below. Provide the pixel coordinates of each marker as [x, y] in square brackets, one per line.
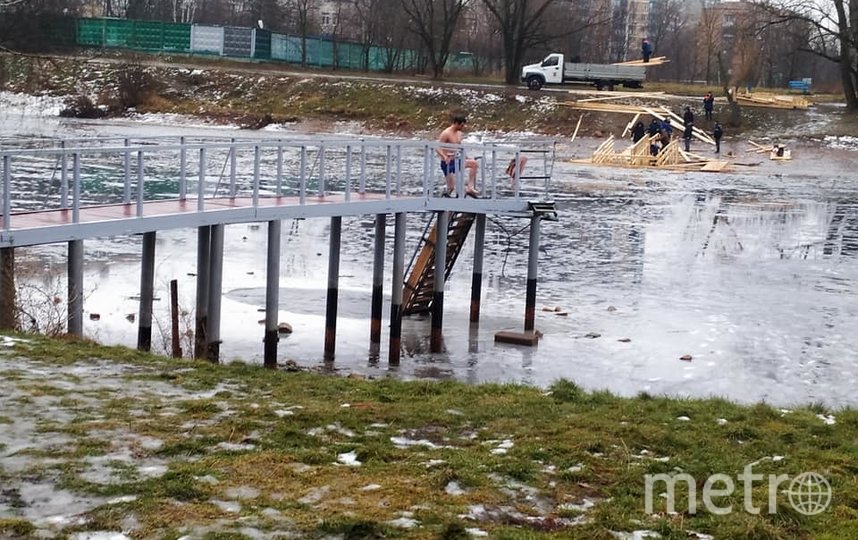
[477, 278]
[396, 289]
[202, 309]
[75, 287]
[333, 288]
[436, 340]
[532, 255]
[377, 280]
[272, 294]
[147, 293]
[215, 290]
[7, 288]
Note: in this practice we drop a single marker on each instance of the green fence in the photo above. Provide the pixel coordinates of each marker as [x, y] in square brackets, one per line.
[138, 35]
[154, 36]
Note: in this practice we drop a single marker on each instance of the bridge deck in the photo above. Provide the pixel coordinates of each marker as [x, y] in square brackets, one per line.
[48, 226]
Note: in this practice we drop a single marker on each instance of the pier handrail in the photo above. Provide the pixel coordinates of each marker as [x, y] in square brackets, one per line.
[309, 167]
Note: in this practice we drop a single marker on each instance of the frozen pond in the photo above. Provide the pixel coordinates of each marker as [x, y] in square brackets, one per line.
[751, 273]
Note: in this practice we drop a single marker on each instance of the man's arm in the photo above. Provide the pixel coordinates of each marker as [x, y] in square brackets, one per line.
[445, 154]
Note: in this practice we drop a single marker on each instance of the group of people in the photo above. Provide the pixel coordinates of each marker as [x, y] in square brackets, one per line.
[661, 132]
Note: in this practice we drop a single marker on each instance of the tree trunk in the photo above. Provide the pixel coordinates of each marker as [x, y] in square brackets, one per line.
[847, 58]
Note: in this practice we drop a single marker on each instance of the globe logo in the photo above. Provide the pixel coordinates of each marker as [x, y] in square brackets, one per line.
[809, 493]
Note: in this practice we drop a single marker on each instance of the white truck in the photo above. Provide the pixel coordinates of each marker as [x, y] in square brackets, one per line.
[553, 70]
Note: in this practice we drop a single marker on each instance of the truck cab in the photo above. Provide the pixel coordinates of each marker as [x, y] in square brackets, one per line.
[549, 71]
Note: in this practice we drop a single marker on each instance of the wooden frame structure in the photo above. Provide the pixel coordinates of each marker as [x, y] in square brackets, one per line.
[662, 113]
[638, 155]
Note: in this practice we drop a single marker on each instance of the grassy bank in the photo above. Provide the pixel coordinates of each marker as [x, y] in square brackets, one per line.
[256, 95]
[253, 96]
[161, 448]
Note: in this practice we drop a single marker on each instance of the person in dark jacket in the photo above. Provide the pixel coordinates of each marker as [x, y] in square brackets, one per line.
[646, 50]
[688, 116]
[717, 133]
[654, 127]
[708, 105]
[687, 134]
[638, 132]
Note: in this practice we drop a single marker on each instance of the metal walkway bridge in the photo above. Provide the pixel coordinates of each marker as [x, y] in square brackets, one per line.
[72, 190]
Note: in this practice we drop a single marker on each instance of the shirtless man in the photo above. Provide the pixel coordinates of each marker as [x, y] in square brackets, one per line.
[451, 159]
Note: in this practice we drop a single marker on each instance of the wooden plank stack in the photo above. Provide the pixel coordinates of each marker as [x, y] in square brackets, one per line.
[654, 61]
[773, 101]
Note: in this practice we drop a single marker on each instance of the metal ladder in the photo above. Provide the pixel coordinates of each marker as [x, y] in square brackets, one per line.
[420, 283]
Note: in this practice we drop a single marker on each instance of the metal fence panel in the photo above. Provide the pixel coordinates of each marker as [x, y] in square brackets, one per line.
[59, 31]
[177, 37]
[325, 53]
[348, 55]
[118, 32]
[146, 35]
[237, 41]
[377, 56]
[261, 43]
[207, 39]
[286, 48]
[90, 32]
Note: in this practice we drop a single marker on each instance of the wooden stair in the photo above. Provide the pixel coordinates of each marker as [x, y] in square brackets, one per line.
[420, 283]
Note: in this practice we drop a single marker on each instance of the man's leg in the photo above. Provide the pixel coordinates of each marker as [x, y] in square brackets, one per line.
[449, 170]
[471, 166]
[522, 161]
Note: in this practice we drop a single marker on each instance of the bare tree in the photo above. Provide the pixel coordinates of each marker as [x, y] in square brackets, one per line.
[580, 28]
[481, 37]
[669, 34]
[434, 22]
[833, 36]
[302, 15]
[366, 12]
[520, 23]
[709, 42]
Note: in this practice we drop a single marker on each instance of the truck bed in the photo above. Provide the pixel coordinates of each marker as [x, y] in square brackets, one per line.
[595, 72]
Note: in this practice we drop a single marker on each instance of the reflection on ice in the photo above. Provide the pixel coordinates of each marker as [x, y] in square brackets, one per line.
[753, 274]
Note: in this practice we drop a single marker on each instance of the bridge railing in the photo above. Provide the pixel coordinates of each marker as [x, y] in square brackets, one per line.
[72, 175]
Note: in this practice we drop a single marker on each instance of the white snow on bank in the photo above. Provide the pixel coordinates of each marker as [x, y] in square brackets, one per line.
[25, 104]
[841, 142]
[171, 119]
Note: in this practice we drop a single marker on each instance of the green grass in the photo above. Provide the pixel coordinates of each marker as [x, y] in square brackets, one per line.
[567, 445]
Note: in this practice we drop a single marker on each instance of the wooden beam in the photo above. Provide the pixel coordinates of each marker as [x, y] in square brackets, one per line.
[576, 128]
[629, 125]
[622, 95]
